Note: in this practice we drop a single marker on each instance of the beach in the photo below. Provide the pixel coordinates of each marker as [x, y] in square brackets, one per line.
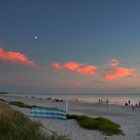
[125, 116]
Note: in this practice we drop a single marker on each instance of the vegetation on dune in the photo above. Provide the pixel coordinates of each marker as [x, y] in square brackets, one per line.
[3, 100]
[16, 126]
[104, 125]
[18, 103]
[21, 104]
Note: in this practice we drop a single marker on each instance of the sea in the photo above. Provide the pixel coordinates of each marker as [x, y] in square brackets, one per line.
[120, 99]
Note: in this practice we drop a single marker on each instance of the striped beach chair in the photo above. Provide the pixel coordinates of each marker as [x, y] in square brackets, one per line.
[45, 112]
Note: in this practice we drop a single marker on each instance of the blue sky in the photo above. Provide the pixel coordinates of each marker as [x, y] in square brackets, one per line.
[85, 32]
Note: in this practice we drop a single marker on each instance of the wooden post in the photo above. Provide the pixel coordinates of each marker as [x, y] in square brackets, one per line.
[110, 107]
[66, 106]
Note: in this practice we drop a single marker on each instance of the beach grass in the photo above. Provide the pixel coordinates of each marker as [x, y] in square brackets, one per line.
[3, 100]
[104, 125]
[21, 104]
[15, 125]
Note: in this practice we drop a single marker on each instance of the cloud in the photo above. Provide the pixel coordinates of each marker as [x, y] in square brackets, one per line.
[15, 57]
[75, 67]
[113, 63]
[56, 66]
[116, 73]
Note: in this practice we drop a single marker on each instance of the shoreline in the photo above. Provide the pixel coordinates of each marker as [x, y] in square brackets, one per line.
[115, 99]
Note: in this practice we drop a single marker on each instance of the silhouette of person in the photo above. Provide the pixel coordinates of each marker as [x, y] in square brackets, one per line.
[129, 102]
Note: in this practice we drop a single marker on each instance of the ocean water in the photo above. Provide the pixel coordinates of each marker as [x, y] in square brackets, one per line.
[112, 98]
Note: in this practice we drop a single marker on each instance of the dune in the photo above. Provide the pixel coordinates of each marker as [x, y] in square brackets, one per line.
[125, 116]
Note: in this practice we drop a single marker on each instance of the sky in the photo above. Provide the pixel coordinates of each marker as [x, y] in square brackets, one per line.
[70, 46]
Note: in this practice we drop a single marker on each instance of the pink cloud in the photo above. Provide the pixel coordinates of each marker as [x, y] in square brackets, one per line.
[15, 57]
[113, 63]
[76, 67]
[56, 66]
[116, 73]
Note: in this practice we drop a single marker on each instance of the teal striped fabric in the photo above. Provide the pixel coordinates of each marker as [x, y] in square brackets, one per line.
[45, 112]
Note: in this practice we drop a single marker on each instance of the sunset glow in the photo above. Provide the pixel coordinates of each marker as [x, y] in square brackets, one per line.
[116, 73]
[76, 67]
[73, 46]
[15, 57]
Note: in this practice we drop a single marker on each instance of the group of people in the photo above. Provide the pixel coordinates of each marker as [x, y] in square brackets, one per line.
[101, 101]
[128, 103]
[133, 106]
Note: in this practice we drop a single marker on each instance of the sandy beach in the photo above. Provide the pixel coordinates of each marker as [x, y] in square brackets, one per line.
[128, 119]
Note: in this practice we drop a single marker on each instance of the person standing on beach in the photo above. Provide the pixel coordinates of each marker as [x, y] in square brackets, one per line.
[107, 101]
[129, 102]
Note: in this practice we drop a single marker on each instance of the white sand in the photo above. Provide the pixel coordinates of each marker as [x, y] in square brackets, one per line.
[128, 119]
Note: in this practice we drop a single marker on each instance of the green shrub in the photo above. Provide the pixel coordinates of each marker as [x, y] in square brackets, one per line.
[3, 100]
[19, 104]
[87, 122]
[104, 125]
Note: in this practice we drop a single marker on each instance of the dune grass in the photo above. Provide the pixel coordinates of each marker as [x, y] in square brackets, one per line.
[21, 104]
[15, 125]
[3, 100]
[18, 103]
[103, 125]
